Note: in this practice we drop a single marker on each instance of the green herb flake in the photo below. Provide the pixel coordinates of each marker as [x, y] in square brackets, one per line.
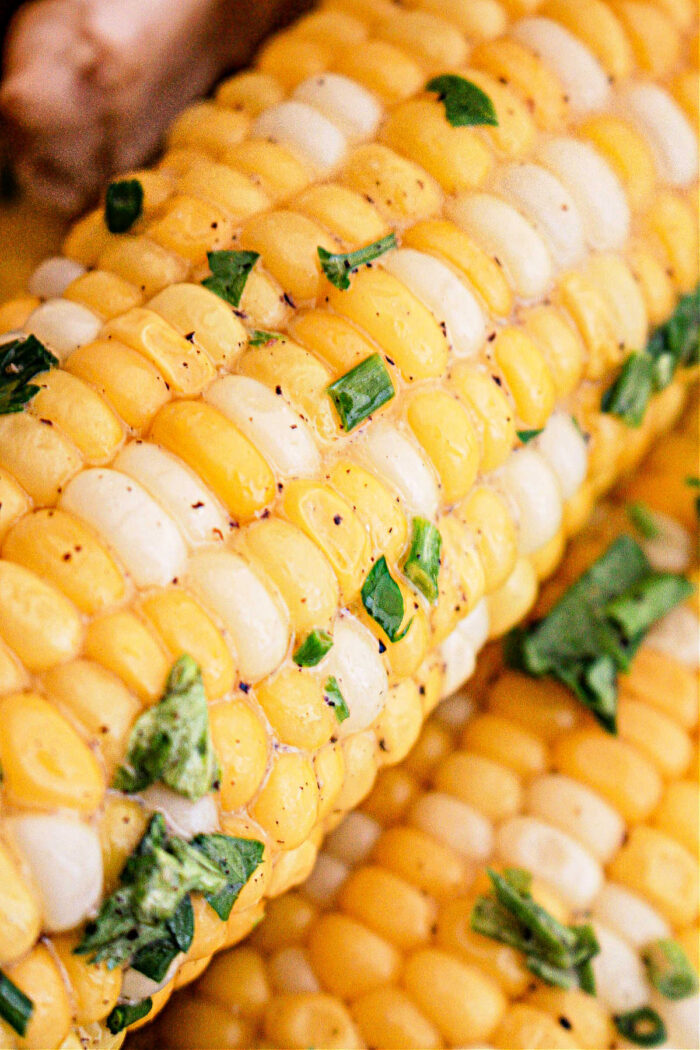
[126, 1014]
[123, 204]
[171, 741]
[258, 337]
[15, 1007]
[643, 520]
[237, 858]
[669, 969]
[338, 268]
[422, 565]
[594, 630]
[361, 391]
[643, 1027]
[335, 699]
[230, 271]
[20, 361]
[466, 105]
[528, 435]
[629, 395]
[382, 598]
[313, 648]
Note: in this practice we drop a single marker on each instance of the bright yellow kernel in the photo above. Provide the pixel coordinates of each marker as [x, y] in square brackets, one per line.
[657, 737]
[288, 244]
[612, 768]
[209, 931]
[590, 313]
[104, 293]
[627, 153]
[444, 430]
[124, 645]
[291, 58]
[399, 724]
[661, 870]
[349, 958]
[588, 1020]
[655, 40]
[672, 220]
[560, 345]
[135, 388]
[525, 1028]
[329, 767]
[142, 262]
[185, 367]
[389, 906]
[277, 172]
[498, 961]
[360, 770]
[596, 26]
[400, 190]
[20, 919]
[88, 238]
[309, 1019]
[233, 192]
[376, 508]
[95, 988]
[432, 867]
[389, 1017]
[240, 743]
[515, 132]
[294, 705]
[541, 705]
[332, 338]
[244, 970]
[435, 42]
[491, 522]
[465, 1005]
[191, 227]
[14, 502]
[209, 127]
[194, 311]
[345, 213]
[677, 814]
[38, 623]
[251, 91]
[501, 740]
[15, 312]
[494, 417]
[287, 805]
[37, 455]
[41, 980]
[527, 375]
[513, 599]
[80, 413]
[382, 68]
[508, 61]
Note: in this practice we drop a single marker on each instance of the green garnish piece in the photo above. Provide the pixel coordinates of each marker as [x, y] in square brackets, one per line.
[20, 361]
[669, 969]
[422, 564]
[643, 1027]
[466, 105]
[559, 955]
[126, 1014]
[629, 395]
[361, 391]
[15, 1007]
[338, 268]
[171, 741]
[527, 435]
[594, 630]
[313, 648]
[123, 204]
[643, 520]
[335, 698]
[382, 598]
[258, 337]
[230, 271]
[237, 858]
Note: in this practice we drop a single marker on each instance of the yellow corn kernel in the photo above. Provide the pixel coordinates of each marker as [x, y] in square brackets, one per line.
[655, 40]
[657, 737]
[302, 378]
[44, 761]
[104, 293]
[185, 628]
[654, 284]
[382, 68]
[612, 768]
[542, 706]
[250, 91]
[289, 918]
[122, 824]
[41, 626]
[400, 190]
[196, 312]
[435, 42]
[208, 127]
[240, 743]
[287, 805]
[346, 214]
[69, 403]
[88, 238]
[461, 560]
[334, 27]
[350, 959]
[271, 168]
[332, 338]
[677, 815]
[587, 1019]
[560, 345]
[513, 600]
[399, 724]
[442, 238]
[249, 906]
[209, 931]
[493, 415]
[329, 767]
[590, 313]
[614, 280]
[41, 980]
[290, 58]
[684, 88]
[527, 375]
[294, 705]
[159, 999]
[61, 550]
[490, 787]
[332, 524]
[13, 676]
[142, 262]
[376, 508]
[502, 964]
[185, 367]
[672, 220]
[360, 770]
[479, 21]
[501, 740]
[389, 1017]
[516, 67]
[465, 1005]
[432, 867]
[444, 430]
[95, 988]
[434, 745]
[515, 132]
[14, 502]
[157, 187]
[98, 701]
[525, 1028]
[20, 919]
[15, 312]
[243, 969]
[661, 870]
[190, 971]
[124, 645]
[219, 453]
[37, 455]
[198, 1017]
[394, 791]
[294, 865]
[596, 26]
[135, 388]
[309, 1019]
[490, 520]
[191, 227]
[177, 161]
[455, 156]
[232, 192]
[546, 558]
[389, 906]
[405, 329]
[627, 153]
[288, 245]
[300, 571]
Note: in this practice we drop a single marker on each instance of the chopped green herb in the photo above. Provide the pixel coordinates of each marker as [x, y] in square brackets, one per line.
[422, 564]
[643, 520]
[559, 955]
[230, 271]
[669, 969]
[335, 698]
[20, 361]
[382, 598]
[595, 629]
[643, 1027]
[528, 435]
[629, 395]
[258, 337]
[126, 1014]
[237, 858]
[313, 648]
[465, 103]
[154, 958]
[123, 205]
[171, 741]
[338, 268]
[15, 1007]
[361, 391]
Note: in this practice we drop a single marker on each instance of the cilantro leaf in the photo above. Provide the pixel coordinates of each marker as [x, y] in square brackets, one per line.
[465, 103]
[20, 361]
[230, 271]
[382, 598]
[237, 859]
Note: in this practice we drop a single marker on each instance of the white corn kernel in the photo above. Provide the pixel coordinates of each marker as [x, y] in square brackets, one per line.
[63, 326]
[350, 106]
[455, 823]
[528, 480]
[325, 880]
[677, 635]
[290, 971]
[300, 126]
[549, 207]
[353, 840]
[682, 1020]
[53, 275]
[620, 980]
[525, 842]
[666, 128]
[564, 447]
[460, 648]
[582, 77]
[578, 811]
[357, 666]
[628, 915]
[385, 449]
[183, 816]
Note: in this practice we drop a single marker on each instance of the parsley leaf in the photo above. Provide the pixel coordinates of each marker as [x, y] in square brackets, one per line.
[230, 271]
[465, 103]
[237, 859]
[20, 361]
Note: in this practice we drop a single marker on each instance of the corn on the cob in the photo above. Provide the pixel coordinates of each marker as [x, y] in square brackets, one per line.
[182, 484]
[376, 948]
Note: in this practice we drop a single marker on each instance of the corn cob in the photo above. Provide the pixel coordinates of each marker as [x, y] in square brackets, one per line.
[376, 948]
[182, 484]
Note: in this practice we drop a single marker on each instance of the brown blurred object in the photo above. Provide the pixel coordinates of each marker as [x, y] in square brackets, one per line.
[28, 233]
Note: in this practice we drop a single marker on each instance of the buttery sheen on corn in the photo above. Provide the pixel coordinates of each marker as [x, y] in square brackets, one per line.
[184, 484]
